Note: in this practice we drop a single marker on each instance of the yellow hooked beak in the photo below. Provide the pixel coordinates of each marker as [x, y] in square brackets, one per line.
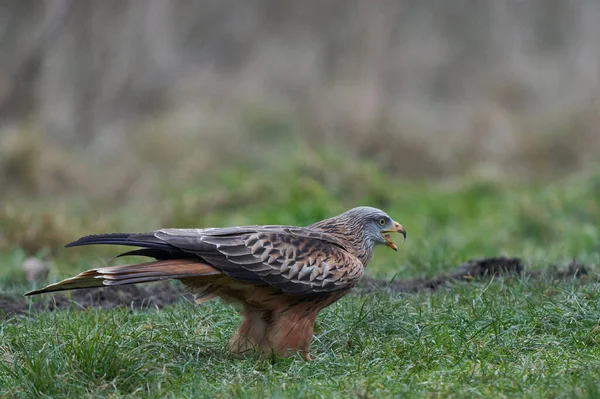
[398, 228]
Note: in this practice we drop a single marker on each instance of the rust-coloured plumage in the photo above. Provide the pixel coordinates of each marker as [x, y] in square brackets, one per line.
[282, 275]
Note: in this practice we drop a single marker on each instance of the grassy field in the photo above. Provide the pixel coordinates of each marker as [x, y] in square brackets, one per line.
[499, 337]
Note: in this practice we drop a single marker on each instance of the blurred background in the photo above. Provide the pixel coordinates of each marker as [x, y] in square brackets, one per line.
[218, 112]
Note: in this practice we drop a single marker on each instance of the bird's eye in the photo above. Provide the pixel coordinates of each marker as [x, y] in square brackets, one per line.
[382, 221]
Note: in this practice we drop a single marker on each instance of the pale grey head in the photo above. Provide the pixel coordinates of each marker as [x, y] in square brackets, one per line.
[363, 227]
[375, 223]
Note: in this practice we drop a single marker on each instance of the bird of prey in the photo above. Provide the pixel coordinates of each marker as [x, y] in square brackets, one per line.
[281, 275]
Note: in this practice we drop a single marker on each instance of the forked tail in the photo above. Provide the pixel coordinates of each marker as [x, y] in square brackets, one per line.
[132, 274]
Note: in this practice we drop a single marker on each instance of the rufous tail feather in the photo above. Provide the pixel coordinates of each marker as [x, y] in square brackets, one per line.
[132, 274]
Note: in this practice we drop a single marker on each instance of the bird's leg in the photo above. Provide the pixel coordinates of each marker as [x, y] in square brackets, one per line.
[291, 331]
[251, 334]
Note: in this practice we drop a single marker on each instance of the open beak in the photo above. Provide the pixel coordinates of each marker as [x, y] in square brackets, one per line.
[398, 228]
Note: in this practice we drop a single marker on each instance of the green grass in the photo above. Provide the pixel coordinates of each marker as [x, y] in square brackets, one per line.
[508, 338]
[505, 337]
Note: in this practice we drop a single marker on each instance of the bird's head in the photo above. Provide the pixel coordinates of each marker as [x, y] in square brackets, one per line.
[362, 229]
[376, 225]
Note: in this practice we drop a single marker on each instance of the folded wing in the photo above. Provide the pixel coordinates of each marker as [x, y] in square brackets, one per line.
[295, 260]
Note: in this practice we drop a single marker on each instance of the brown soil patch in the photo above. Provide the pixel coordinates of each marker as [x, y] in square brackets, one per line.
[478, 268]
[145, 296]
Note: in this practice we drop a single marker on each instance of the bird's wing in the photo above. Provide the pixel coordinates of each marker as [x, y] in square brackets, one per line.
[294, 260]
